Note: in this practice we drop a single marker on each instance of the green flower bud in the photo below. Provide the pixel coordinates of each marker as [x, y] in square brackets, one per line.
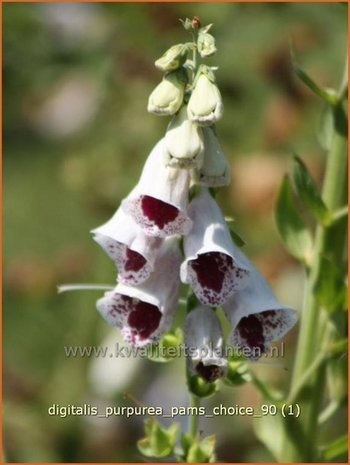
[206, 44]
[167, 97]
[205, 104]
[237, 373]
[168, 347]
[183, 146]
[200, 387]
[173, 58]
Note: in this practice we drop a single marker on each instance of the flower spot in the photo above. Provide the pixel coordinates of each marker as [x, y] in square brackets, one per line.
[209, 373]
[144, 319]
[161, 213]
[251, 332]
[214, 277]
[211, 268]
[134, 261]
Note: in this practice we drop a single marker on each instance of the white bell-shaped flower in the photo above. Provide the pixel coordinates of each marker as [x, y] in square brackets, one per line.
[204, 343]
[143, 313]
[257, 318]
[167, 97]
[158, 204]
[214, 266]
[215, 171]
[132, 251]
[183, 147]
[205, 105]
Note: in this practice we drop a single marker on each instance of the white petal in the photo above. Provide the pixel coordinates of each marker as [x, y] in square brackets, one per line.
[159, 201]
[145, 312]
[215, 171]
[214, 265]
[204, 343]
[132, 251]
[257, 317]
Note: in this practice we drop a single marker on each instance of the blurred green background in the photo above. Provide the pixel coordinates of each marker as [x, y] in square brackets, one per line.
[76, 79]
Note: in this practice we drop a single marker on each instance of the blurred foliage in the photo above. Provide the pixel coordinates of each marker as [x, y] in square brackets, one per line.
[76, 79]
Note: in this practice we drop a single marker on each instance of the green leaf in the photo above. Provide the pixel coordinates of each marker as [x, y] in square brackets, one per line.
[291, 227]
[332, 119]
[187, 23]
[337, 377]
[339, 346]
[336, 449]
[307, 190]
[192, 301]
[203, 451]
[339, 214]
[159, 441]
[236, 238]
[277, 433]
[341, 120]
[329, 96]
[186, 442]
[330, 288]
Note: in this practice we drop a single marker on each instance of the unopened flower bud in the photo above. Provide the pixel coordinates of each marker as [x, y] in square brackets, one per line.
[206, 44]
[167, 97]
[204, 343]
[215, 170]
[183, 147]
[173, 58]
[205, 104]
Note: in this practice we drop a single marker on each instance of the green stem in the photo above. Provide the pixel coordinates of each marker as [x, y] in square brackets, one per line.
[265, 389]
[340, 214]
[328, 412]
[315, 328]
[307, 375]
[193, 427]
[195, 56]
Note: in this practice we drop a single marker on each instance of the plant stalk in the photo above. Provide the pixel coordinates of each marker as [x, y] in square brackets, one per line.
[193, 426]
[316, 329]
